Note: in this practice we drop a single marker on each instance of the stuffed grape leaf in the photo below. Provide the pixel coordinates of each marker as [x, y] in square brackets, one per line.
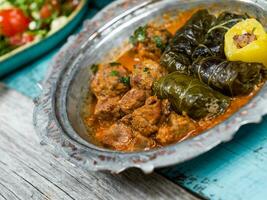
[201, 36]
[177, 56]
[214, 39]
[190, 96]
[232, 78]
[197, 49]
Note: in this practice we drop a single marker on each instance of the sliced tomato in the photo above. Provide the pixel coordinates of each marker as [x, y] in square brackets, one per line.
[46, 11]
[13, 21]
[20, 39]
[49, 8]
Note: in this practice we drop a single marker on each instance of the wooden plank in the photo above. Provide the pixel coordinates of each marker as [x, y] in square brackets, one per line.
[232, 171]
[29, 171]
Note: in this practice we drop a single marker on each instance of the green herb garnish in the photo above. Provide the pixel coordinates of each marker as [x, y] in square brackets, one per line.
[125, 80]
[114, 73]
[139, 35]
[112, 64]
[146, 69]
[5, 47]
[159, 42]
[94, 68]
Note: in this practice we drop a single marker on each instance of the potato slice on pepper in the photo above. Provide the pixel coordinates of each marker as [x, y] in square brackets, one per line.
[246, 41]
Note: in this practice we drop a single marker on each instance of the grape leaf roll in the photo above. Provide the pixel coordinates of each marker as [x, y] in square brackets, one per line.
[190, 96]
[177, 56]
[201, 36]
[232, 78]
[213, 44]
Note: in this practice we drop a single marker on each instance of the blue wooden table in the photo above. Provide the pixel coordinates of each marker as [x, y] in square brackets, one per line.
[232, 171]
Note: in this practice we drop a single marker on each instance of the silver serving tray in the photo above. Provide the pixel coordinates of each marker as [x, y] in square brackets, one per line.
[57, 116]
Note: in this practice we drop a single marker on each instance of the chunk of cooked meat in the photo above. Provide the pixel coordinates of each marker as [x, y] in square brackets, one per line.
[140, 143]
[243, 40]
[145, 118]
[127, 119]
[150, 41]
[165, 109]
[133, 99]
[107, 109]
[176, 128]
[145, 73]
[109, 81]
[118, 136]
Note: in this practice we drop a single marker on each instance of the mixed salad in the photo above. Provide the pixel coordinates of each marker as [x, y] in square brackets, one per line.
[25, 21]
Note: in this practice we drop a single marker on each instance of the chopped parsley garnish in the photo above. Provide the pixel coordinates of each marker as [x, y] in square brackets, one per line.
[94, 68]
[125, 80]
[146, 69]
[5, 47]
[139, 35]
[28, 6]
[158, 42]
[112, 64]
[114, 73]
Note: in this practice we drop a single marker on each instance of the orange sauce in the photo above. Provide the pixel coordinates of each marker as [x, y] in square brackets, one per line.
[236, 104]
[129, 59]
[173, 25]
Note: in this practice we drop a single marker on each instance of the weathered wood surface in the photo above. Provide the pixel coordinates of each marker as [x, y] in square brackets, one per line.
[28, 171]
[233, 171]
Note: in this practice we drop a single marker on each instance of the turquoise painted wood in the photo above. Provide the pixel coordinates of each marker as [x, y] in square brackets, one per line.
[26, 79]
[236, 170]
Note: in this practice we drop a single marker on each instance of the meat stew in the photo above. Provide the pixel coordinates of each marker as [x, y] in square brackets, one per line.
[139, 98]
